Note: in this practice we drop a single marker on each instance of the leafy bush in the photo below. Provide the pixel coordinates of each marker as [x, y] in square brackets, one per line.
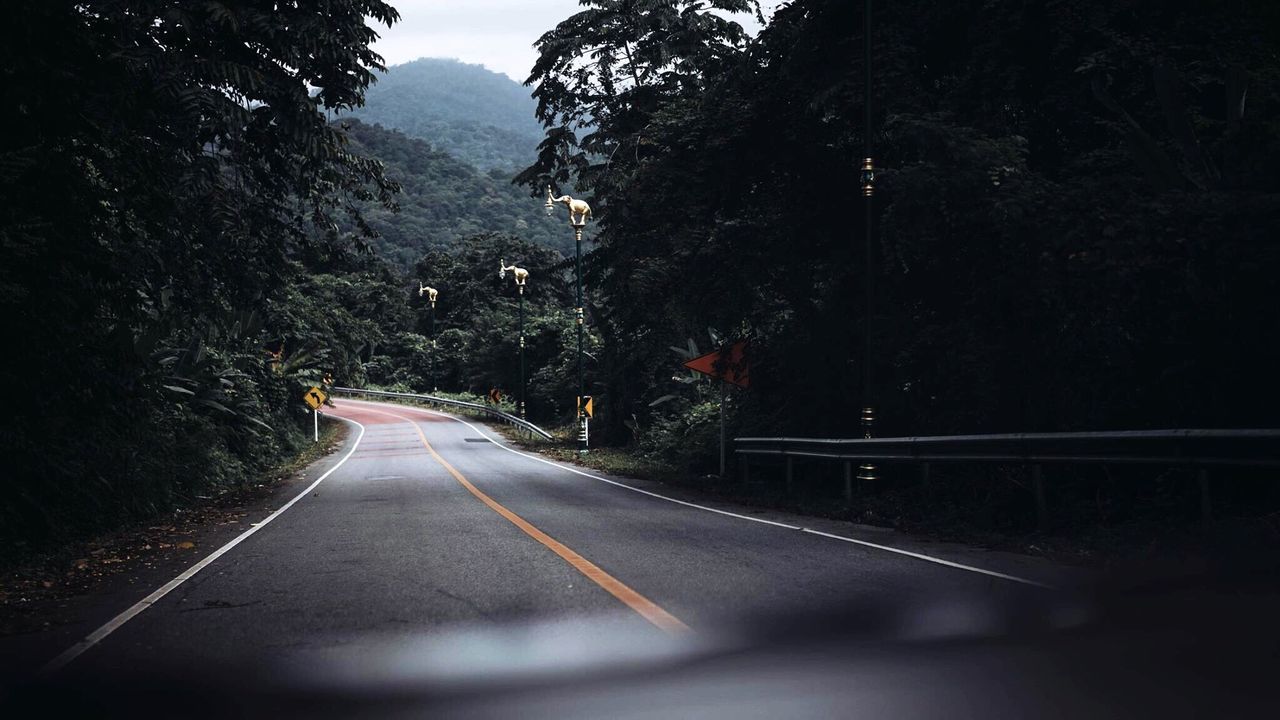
[687, 438]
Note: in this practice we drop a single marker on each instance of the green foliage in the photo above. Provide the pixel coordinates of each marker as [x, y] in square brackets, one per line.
[443, 199]
[686, 437]
[603, 73]
[477, 320]
[337, 315]
[1073, 217]
[162, 167]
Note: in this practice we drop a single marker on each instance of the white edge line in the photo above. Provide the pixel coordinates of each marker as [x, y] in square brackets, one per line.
[114, 624]
[886, 548]
[931, 559]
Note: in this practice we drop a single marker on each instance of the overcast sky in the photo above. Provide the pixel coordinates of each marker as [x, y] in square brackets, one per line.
[498, 34]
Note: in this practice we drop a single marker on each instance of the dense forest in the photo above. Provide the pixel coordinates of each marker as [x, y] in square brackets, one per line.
[1074, 220]
[1075, 213]
[1074, 230]
[442, 199]
[476, 115]
[170, 179]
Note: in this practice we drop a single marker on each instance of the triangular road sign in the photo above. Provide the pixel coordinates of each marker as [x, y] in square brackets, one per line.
[735, 368]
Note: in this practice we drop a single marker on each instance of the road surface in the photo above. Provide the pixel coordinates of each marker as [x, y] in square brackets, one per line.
[427, 526]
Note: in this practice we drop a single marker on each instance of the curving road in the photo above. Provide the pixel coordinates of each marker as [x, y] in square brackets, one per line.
[432, 570]
[427, 522]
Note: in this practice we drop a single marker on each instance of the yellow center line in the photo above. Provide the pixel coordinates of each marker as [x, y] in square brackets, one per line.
[642, 605]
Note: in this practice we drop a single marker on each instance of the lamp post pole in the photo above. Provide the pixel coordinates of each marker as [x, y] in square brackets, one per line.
[434, 387]
[432, 294]
[523, 388]
[578, 213]
[582, 420]
[867, 471]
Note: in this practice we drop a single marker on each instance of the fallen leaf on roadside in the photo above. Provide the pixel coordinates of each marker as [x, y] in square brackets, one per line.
[186, 545]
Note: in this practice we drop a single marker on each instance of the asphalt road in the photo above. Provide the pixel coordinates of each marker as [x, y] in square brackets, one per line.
[432, 570]
[429, 524]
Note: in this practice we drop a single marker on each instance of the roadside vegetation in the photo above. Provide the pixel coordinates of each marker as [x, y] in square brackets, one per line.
[171, 184]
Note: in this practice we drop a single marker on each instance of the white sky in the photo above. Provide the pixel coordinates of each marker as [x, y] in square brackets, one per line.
[498, 34]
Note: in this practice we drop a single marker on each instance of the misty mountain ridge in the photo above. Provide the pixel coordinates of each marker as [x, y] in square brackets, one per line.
[481, 117]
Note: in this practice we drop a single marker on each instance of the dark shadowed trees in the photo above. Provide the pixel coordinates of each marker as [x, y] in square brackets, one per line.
[1074, 217]
[164, 172]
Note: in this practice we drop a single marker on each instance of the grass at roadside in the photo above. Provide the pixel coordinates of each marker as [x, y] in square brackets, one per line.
[332, 435]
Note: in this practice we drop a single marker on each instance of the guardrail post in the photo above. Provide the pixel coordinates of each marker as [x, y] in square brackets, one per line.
[1206, 503]
[790, 474]
[746, 470]
[848, 481]
[1037, 485]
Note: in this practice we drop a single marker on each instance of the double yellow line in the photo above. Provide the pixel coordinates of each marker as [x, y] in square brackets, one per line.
[643, 606]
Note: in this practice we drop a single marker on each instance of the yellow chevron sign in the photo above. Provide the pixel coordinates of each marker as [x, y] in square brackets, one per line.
[314, 398]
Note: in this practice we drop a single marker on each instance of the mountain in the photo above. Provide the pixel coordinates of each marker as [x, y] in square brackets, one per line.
[477, 115]
[444, 198]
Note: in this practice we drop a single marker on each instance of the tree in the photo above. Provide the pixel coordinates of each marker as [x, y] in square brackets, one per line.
[605, 71]
[163, 169]
[1061, 245]
[477, 315]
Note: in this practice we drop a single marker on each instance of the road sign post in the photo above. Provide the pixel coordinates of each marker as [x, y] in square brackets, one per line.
[586, 411]
[579, 211]
[723, 391]
[314, 398]
[726, 366]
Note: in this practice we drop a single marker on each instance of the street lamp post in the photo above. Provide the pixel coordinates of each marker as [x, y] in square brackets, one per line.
[579, 211]
[867, 471]
[521, 277]
[524, 390]
[431, 294]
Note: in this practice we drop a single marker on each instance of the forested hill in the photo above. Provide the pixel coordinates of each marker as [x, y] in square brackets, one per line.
[444, 198]
[482, 117]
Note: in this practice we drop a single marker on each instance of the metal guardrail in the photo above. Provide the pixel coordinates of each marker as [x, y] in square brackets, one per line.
[446, 402]
[1155, 447]
[1197, 449]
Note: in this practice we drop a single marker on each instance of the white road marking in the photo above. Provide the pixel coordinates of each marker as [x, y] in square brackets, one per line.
[930, 558]
[762, 521]
[114, 624]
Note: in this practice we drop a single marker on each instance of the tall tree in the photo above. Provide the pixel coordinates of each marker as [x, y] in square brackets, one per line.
[602, 73]
[1073, 217]
[163, 166]
[603, 79]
